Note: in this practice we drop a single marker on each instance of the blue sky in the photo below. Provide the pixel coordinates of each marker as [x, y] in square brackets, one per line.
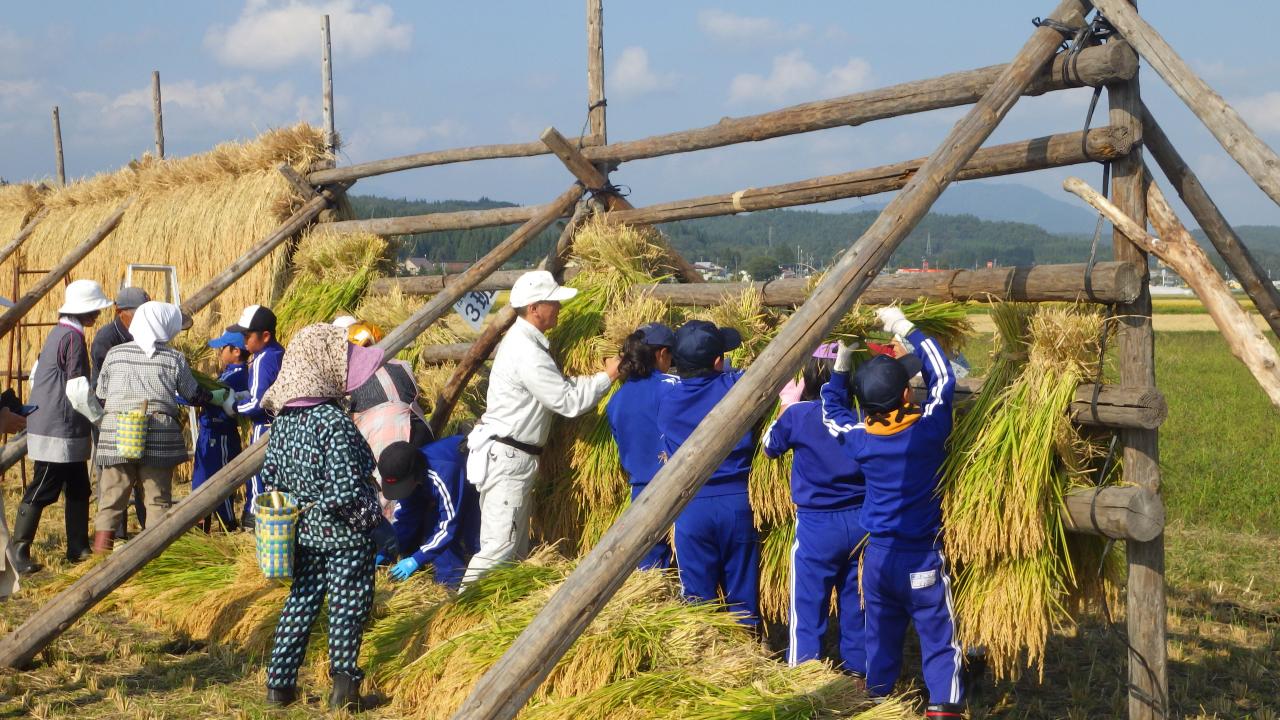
[427, 75]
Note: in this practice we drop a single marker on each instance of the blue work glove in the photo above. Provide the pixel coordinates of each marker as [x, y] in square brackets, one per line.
[379, 560]
[405, 568]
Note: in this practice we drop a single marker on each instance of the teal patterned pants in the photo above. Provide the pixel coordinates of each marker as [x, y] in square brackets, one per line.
[345, 576]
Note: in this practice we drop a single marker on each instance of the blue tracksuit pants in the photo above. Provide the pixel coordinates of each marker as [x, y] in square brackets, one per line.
[659, 556]
[822, 560]
[910, 585]
[717, 548]
[253, 487]
[213, 451]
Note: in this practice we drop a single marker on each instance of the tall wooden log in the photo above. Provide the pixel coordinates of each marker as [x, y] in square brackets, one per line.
[478, 352]
[326, 90]
[1092, 66]
[1255, 156]
[23, 305]
[12, 246]
[59, 164]
[592, 177]
[13, 452]
[157, 111]
[55, 616]
[1117, 406]
[507, 685]
[595, 70]
[1101, 144]
[1252, 277]
[1121, 513]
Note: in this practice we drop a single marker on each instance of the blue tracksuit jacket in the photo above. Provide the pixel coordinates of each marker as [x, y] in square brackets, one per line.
[827, 488]
[904, 573]
[716, 544]
[440, 522]
[263, 369]
[633, 417]
[218, 439]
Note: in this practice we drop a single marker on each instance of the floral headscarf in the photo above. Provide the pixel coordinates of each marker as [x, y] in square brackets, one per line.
[320, 365]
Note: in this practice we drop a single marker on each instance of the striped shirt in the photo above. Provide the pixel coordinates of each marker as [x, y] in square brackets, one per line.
[127, 378]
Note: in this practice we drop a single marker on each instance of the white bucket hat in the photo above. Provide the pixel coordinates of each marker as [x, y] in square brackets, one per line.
[539, 286]
[84, 296]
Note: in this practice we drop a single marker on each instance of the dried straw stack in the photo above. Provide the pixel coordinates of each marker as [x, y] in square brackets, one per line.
[196, 213]
[18, 204]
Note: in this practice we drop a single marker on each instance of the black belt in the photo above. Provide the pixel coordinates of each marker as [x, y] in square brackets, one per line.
[522, 447]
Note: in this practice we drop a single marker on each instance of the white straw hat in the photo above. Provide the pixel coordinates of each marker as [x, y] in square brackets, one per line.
[539, 286]
[84, 296]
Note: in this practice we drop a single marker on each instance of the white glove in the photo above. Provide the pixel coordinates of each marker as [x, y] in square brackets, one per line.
[229, 405]
[83, 401]
[844, 356]
[894, 321]
[242, 395]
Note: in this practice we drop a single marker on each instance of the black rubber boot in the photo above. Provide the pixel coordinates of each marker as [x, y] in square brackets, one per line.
[945, 711]
[76, 516]
[24, 533]
[345, 694]
[281, 697]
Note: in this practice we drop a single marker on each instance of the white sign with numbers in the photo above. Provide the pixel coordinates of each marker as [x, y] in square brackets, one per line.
[475, 306]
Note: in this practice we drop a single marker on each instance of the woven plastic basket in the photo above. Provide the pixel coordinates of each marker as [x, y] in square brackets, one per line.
[274, 530]
[131, 433]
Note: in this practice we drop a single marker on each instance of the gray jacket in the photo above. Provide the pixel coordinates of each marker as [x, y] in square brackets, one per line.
[55, 431]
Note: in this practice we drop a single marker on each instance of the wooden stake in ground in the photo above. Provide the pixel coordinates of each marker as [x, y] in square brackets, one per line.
[326, 79]
[1177, 249]
[1257, 159]
[595, 70]
[158, 111]
[47, 281]
[1252, 277]
[505, 688]
[57, 148]
[21, 645]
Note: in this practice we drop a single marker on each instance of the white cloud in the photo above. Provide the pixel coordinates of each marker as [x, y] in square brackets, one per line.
[13, 50]
[1262, 112]
[631, 75]
[729, 27]
[270, 34]
[793, 77]
[393, 133]
[16, 94]
[238, 107]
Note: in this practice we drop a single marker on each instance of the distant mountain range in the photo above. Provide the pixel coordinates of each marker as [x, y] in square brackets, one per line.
[970, 225]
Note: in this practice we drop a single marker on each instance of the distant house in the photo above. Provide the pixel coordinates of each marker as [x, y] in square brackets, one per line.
[414, 266]
[426, 266]
[710, 270]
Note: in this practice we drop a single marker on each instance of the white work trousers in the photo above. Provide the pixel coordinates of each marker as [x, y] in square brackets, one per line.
[504, 509]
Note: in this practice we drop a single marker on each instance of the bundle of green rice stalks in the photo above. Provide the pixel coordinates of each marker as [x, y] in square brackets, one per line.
[1013, 459]
[946, 322]
[331, 273]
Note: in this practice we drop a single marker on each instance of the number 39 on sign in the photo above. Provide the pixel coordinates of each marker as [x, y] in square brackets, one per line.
[475, 306]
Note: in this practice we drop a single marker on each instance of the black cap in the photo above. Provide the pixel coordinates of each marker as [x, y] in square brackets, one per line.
[255, 318]
[402, 467]
[699, 343]
[880, 381]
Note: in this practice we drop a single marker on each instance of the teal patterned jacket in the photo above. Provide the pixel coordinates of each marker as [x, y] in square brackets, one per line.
[319, 456]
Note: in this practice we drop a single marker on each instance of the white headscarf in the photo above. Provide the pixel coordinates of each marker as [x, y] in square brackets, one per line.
[155, 323]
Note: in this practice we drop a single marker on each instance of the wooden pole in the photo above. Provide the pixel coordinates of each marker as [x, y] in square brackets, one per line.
[1092, 66]
[1148, 685]
[1258, 160]
[1252, 277]
[12, 246]
[57, 148]
[23, 305]
[1111, 282]
[1117, 406]
[595, 70]
[592, 177]
[157, 109]
[1101, 144]
[1122, 513]
[13, 451]
[478, 352]
[326, 78]
[505, 688]
[1179, 251]
[55, 616]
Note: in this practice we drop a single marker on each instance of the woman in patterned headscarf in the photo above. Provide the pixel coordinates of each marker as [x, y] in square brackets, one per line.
[317, 454]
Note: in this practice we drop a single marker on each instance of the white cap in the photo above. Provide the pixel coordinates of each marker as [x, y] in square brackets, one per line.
[84, 296]
[344, 321]
[538, 286]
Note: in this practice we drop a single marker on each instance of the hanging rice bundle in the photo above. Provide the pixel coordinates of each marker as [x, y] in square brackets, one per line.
[946, 322]
[331, 273]
[1012, 461]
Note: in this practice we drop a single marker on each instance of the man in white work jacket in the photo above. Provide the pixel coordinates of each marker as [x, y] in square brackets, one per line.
[525, 389]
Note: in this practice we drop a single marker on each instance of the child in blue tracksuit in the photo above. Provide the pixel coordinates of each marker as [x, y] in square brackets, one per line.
[258, 325]
[901, 447]
[827, 490]
[633, 415]
[437, 515]
[716, 544]
[219, 438]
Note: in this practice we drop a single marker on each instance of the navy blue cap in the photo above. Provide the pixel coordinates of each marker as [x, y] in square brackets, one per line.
[880, 381]
[698, 343]
[228, 339]
[657, 335]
